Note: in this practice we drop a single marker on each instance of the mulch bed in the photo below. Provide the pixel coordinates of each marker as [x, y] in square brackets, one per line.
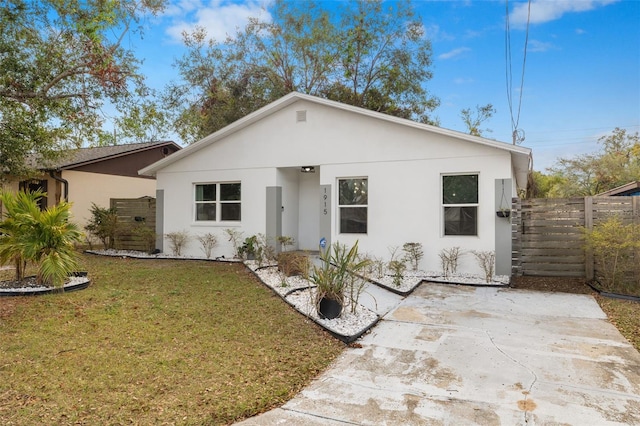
[552, 284]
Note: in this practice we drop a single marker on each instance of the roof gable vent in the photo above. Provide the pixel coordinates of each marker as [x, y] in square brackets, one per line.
[301, 116]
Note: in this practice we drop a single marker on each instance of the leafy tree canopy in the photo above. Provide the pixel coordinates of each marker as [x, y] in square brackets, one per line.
[60, 63]
[616, 164]
[367, 53]
[474, 121]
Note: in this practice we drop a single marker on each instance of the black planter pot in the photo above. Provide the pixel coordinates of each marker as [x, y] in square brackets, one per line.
[329, 308]
[503, 213]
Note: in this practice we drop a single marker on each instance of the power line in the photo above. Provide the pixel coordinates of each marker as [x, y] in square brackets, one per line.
[517, 134]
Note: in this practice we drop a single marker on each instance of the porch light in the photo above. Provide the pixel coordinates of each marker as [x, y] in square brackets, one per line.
[308, 169]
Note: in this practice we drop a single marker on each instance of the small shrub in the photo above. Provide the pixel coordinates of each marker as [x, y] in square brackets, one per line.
[378, 266]
[265, 252]
[249, 248]
[616, 250]
[103, 225]
[235, 237]
[147, 236]
[285, 241]
[449, 260]
[397, 266]
[487, 261]
[177, 241]
[207, 242]
[413, 253]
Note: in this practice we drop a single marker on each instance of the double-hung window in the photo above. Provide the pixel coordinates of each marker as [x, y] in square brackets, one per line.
[219, 202]
[460, 204]
[353, 202]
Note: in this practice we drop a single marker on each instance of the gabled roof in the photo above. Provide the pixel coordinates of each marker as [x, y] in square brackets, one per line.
[631, 188]
[521, 156]
[83, 156]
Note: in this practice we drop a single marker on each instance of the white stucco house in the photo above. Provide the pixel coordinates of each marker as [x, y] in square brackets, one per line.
[321, 171]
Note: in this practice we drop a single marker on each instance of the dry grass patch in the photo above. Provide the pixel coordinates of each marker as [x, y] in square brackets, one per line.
[155, 342]
[625, 315]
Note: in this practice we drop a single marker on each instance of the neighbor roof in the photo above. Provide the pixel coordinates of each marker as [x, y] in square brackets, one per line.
[83, 156]
[631, 188]
[521, 156]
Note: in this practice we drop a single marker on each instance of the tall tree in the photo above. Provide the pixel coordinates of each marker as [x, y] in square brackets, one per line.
[616, 164]
[60, 62]
[373, 55]
[474, 121]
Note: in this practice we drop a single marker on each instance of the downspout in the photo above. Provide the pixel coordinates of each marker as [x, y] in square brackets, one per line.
[64, 182]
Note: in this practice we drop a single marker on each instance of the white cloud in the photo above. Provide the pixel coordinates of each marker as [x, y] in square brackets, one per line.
[463, 80]
[580, 31]
[219, 18]
[434, 33]
[539, 46]
[453, 53]
[545, 11]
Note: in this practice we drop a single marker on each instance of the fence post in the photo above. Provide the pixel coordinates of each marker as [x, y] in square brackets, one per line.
[588, 224]
[516, 236]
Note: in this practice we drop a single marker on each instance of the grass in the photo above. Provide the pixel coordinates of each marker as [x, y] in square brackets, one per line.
[625, 315]
[155, 342]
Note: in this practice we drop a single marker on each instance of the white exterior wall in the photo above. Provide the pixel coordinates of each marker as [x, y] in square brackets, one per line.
[404, 166]
[86, 188]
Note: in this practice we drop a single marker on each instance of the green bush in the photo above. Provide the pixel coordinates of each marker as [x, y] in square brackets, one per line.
[103, 225]
[616, 250]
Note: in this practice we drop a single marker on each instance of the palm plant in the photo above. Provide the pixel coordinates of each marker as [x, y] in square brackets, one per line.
[45, 238]
[15, 226]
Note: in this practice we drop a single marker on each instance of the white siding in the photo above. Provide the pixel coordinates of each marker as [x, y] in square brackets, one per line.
[404, 166]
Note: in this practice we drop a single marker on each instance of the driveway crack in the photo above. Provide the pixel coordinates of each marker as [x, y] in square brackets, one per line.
[525, 406]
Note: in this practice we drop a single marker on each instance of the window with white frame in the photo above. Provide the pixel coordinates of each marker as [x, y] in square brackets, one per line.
[219, 202]
[460, 204]
[353, 202]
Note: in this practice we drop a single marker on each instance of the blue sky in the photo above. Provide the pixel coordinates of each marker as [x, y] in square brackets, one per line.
[581, 79]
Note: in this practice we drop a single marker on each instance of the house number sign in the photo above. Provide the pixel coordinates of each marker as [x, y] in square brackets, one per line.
[325, 215]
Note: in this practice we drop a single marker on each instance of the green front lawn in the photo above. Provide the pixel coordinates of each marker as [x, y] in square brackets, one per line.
[155, 342]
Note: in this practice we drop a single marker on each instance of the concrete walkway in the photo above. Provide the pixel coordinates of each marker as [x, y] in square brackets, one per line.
[452, 355]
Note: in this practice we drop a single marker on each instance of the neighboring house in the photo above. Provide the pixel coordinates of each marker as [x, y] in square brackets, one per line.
[629, 189]
[95, 175]
[321, 171]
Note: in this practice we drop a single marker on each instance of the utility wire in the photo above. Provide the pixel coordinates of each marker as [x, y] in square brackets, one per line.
[518, 134]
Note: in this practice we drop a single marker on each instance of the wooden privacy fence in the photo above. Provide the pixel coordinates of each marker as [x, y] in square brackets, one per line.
[134, 213]
[548, 232]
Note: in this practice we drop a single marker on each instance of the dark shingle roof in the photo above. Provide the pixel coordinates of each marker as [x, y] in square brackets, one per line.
[77, 157]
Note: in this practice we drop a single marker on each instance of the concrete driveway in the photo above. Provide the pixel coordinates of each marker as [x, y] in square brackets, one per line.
[453, 355]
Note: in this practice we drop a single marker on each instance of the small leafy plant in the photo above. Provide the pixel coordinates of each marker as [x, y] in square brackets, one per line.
[285, 241]
[178, 241]
[397, 266]
[249, 248]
